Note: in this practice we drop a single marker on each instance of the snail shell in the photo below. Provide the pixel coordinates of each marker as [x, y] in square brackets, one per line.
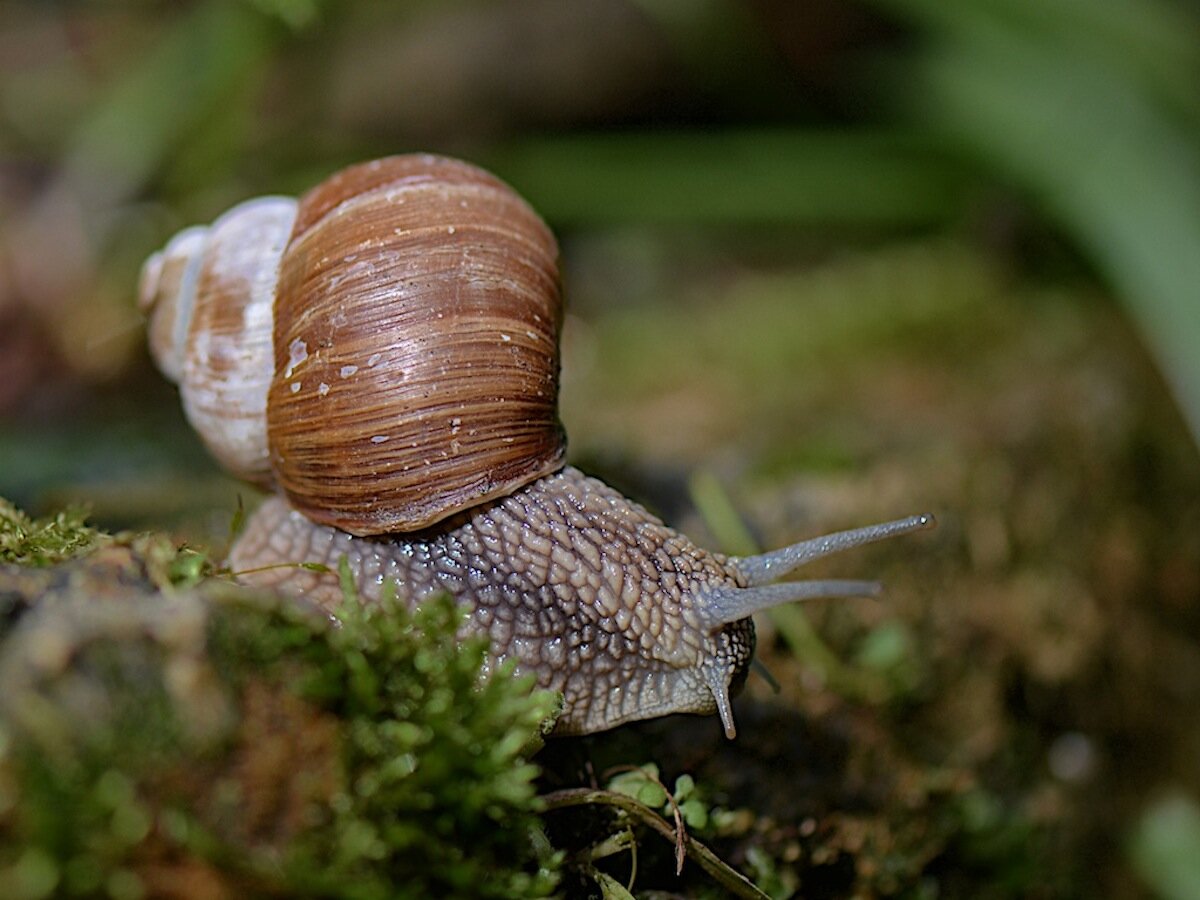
[410, 306]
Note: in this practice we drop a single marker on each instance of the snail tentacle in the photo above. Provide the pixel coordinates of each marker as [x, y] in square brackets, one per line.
[725, 604]
[766, 568]
[718, 683]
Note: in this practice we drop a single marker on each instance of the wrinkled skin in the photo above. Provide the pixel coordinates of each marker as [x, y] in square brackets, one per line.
[580, 586]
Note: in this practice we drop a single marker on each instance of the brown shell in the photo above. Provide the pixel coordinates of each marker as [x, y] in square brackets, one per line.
[416, 346]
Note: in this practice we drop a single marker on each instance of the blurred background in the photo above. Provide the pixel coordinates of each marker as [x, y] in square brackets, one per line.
[826, 263]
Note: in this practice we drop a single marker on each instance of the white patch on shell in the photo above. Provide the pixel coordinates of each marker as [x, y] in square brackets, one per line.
[347, 371]
[297, 354]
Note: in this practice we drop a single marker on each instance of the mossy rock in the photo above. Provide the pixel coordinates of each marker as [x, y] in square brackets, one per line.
[199, 740]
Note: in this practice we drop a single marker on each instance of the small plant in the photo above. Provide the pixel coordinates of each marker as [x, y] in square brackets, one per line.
[636, 800]
[41, 542]
[440, 800]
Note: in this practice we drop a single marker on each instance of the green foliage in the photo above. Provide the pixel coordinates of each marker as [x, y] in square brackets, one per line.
[159, 725]
[188, 567]
[643, 785]
[630, 798]
[439, 800]
[774, 878]
[1000, 840]
[83, 729]
[1090, 111]
[296, 14]
[40, 542]
[1165, 848]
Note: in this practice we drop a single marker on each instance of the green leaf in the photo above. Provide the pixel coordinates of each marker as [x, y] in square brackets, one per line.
[1165, 848]
[610, 888]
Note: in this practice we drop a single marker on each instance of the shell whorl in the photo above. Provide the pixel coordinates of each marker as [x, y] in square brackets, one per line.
[437, 388]
[385, 350]
[210, 295]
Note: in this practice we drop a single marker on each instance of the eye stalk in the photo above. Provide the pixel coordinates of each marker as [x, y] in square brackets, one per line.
[725, 604]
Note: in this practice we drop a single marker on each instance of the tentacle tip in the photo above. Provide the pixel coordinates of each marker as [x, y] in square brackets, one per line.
[925, 521]
[729, 726]
[720, 691]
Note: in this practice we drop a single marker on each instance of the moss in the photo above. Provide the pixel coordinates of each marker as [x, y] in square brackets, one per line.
[40, 542]
[206, 740]
[439, 800]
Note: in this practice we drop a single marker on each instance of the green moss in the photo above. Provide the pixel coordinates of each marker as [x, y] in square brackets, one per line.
[440, 801]
[211, 732]
[40, 542]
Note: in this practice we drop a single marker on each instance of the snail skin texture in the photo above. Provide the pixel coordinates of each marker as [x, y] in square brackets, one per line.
[383, 355]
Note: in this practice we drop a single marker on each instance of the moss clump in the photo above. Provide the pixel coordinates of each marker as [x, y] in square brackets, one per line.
[440, 801]
[41, 542]
[208, 741]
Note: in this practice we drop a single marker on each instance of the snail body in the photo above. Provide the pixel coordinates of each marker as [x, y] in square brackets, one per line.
[384, 354]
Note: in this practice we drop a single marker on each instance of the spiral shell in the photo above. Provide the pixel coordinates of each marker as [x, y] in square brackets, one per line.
[385, 351]
[210, 294]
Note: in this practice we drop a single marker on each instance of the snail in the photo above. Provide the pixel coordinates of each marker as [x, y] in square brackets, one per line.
[382, 354]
